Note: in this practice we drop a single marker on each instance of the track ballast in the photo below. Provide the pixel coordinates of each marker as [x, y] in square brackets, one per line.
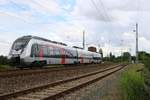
[58, 89]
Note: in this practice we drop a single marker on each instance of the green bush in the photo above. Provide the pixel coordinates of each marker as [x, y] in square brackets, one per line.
[132, 85]
[4, 63]
[145, 59]
[3, 60]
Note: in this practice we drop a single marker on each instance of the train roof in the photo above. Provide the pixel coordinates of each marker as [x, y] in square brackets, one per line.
[77, 47]
[43, 39]
[60, 43]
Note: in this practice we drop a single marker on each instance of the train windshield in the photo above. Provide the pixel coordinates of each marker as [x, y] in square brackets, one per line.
[20, 44]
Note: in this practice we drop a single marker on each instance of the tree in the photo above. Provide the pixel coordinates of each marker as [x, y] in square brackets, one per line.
[143, 56]
[3, 60]
[111, 56]
[101, 52]
[126, 56]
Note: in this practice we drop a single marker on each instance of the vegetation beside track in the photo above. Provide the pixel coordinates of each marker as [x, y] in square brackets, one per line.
[144, 57]
[4, 67]
[4, 63]
[132, 83]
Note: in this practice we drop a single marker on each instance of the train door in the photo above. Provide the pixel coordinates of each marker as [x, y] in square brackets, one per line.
[77, 57]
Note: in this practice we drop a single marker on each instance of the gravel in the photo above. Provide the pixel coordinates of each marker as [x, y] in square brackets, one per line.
[14, 84]
[105, 89]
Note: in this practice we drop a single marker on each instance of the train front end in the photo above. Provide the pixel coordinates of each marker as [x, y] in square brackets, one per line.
[18, 50]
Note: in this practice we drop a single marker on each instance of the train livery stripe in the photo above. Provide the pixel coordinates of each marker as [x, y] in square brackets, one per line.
[62, 56]
[62, 53]
[81, 61]
[41, 54]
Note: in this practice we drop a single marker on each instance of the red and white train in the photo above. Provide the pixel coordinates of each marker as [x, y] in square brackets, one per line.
[33, 50]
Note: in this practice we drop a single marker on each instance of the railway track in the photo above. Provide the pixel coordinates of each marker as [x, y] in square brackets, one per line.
[58, 89]
[18, 72]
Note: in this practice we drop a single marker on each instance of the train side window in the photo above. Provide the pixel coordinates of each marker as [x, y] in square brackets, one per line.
[48, 51]
[66, 53]
[34, 50]
[45, 53]
[51, 51]
[57, 52]
[54, 51]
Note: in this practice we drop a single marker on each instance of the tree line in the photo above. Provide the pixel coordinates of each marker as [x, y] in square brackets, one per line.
[4, 60]
[125, 57]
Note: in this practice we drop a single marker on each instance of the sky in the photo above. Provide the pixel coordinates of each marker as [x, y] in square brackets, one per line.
[108, 24]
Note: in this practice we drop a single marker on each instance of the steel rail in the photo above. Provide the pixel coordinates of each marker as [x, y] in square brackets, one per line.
[14, 73]
[40, 88]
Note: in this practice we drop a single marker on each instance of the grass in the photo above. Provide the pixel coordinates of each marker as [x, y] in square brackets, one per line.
[132, 83]
[4, 67]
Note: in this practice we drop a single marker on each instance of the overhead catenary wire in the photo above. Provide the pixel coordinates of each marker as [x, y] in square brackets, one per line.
[109, 18]
[105, 11]
[98, 10]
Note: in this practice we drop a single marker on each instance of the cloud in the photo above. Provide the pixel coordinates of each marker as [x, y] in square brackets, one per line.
[89, 9]
[2, 2]
[110, 10]
[106, 25]
[103, 11]
[5, 49]
[41, 6]
[144, 44]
